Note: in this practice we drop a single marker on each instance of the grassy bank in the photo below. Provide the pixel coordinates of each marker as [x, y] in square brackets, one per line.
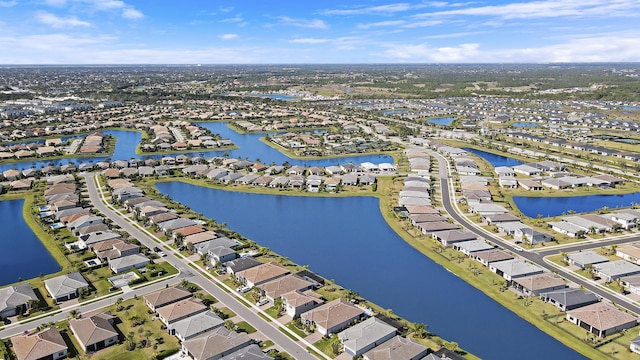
[292, 155]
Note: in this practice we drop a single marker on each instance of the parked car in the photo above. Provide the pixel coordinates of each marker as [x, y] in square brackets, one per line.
[161, 254]
[261, 302]
[243, 289]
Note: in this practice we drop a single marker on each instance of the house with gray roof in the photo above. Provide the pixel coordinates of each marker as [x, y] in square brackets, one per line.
[613, 270]
[472, 246]
[240, 264]
[14, 299]
[65, 287]
[215, 344]
[125, 263]
[195, 325]
[222, 254]
[206, 246]
[397, 348]
[366, 335]
[175, 224]
[251, 352]
[96, 237]
[449, 237]
[569, 298]
[515, 268]
[584, 258]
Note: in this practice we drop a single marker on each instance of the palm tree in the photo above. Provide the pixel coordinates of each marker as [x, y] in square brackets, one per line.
[147, 334]
[419, 330]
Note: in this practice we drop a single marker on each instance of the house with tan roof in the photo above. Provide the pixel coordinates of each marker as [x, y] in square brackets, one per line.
[332, 317]
[215, 344]
[165, 297]
[261, 274]
[601, 319]
[397, 348]
[537, 284]
[46, 344]
[95, 332]
[297, 302]
[274, 289]
[180, 310]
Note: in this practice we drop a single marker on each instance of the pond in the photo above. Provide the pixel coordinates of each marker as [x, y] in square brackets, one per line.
[442, 121]
[521, 124]
[26, 256]
[556, 206]
[494, 159]
[348, 240]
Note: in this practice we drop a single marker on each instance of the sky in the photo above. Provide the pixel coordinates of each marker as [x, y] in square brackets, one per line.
[317, 32]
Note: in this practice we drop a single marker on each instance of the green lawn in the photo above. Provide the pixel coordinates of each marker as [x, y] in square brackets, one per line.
[244, 326]
[292, 326]
[327, 346]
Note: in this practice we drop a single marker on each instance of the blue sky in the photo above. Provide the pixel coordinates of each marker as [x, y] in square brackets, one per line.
[325, 31]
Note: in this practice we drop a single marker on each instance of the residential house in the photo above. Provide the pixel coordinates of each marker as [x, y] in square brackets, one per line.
[261, 274]
[397, 348]
[613, 270]
[515, 268]
[366, 335]
[274, 289]
[584, 258]
[165, 297]
[44, 345]
[234, 266]
[195, 325]
[180, 310]
[569, 298]
[215, 344]
[94, 332]
[14, 300]
[251, 352]
[490, 256]
[629, 252]
[332, 317]
[601, 319]
[296, 302]
[536, 284]
[65, 287]
[125, 263]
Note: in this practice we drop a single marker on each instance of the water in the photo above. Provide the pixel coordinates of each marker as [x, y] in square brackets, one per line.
[626, 107]
[555, 206]
[391, 112]
[27, 257]
[249, 146]
[442, 121]
[521, 124]
[495, 159]
[274, 96]
[346, 239]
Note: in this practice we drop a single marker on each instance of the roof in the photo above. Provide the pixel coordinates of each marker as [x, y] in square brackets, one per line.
[474, 245]
[240, 264]
[602, 316]
[216, 342]
[397, 348]
[617, 268]
[587, 257]
[14, 296]
[65, 284]
[366, 333]
[570, 297]
[93, 329]
[129, 260]
[166, 296]
[516, 267]
[180, 309]
[493, 255]
[332, 313]
[197, 324]
[282, 285]
[263, 273]
[251, 352]
[39, 345]
[540, 282]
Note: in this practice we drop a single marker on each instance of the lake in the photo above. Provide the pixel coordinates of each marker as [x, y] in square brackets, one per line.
[249, 146]
[442, 121]
[521, 124]
[346, 239]
[26, 256]
[398, 111]
[494, 159]
[555, 206]
[626, 107]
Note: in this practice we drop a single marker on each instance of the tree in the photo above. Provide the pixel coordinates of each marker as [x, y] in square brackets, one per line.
[147, 334]
[419, 330]
[119, 304]
[131, 345]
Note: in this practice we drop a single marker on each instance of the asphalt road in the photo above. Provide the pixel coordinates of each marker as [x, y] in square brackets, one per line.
[534, 257]
[268, 329]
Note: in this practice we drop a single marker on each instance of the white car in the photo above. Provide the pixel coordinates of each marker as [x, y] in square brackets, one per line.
[243, 289]
[161, 254]
[261, 302]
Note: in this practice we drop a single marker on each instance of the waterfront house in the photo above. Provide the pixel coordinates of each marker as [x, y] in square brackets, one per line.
[366, 335]
[95, 332]
[222, 254]
[601, 319]
[46, 345]
[627, 221]
[65, 287]
[629, 252]
[449, 237]
[515, 268]
[613, 270]
[175, 224]
[240, 264]
[261, 274]
[297, 302]
[566, 228]
[195, 325]
[530, 185]
[200, 237]
[14, 300]
[490, 256]
[93, 238]
[215, 344]
[165, 297]
[206, 246]
[397, 347]
[332, 317]
[472, 246]
[584, 258]
[274, 289]
[569, 298]
[251, 352]
[536, 284]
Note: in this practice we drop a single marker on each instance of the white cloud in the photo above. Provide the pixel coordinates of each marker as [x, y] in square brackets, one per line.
[381, 24]
[303, 23]
[56, 3]
[376, 10]
[236, 19]
[228, 36]
[548, 9]
[424, 53]
[309, 41]
[58, 22]
[131, 13]
[8, 3]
